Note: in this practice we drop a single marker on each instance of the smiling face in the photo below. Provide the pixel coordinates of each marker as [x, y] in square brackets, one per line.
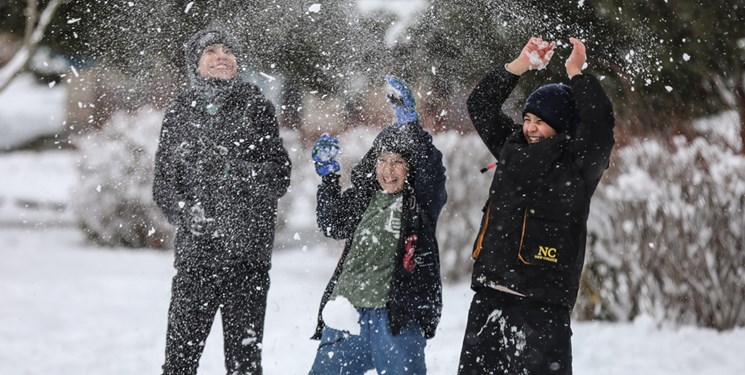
[535, 129]
[391, 170]
[217, 61]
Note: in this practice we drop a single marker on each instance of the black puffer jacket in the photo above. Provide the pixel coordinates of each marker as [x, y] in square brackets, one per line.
[219, 171]
[417, 294]
[533, 233]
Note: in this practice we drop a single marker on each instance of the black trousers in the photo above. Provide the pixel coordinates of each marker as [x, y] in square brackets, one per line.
[197, 293]
[509, 334]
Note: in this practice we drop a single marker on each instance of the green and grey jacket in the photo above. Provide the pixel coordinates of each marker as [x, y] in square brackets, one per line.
[415, 292]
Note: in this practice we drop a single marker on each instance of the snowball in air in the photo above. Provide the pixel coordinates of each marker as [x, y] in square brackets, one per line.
[315, 8]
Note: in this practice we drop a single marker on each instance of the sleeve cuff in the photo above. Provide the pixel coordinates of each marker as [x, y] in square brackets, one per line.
[331, 178]
[509, 71]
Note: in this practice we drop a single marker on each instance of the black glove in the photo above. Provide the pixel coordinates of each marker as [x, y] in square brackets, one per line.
[199, 224]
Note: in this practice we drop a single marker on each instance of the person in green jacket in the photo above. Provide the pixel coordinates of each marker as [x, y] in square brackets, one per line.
[385, 297]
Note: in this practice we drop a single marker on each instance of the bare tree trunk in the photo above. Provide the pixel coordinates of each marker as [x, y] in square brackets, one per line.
[739, 91]
[32, 38]
[740, 100]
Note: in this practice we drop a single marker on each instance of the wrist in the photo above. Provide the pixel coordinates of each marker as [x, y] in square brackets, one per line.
[517, 67]
[573, 72]
[331, 178]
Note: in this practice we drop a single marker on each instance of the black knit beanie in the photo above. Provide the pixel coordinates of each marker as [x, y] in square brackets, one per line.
[203, 39]
[554, 104]
[394, 139]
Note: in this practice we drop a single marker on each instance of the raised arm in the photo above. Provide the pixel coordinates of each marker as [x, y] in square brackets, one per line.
[337, 212]
[485, 108]
[486, 99]
[594, 138]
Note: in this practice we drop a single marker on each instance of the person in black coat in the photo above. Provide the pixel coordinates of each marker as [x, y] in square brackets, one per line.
[530, 248]
[220, 168]
[388, 276]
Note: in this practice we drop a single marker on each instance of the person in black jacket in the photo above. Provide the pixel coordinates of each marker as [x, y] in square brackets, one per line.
[219, 169]
[530, 248]
[388, 276]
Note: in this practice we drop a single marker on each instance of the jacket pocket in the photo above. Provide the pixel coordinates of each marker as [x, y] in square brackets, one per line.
[547, 241]
[478, 244]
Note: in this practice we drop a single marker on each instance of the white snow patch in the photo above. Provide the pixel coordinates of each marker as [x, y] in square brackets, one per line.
[405, 10]
[29, 110]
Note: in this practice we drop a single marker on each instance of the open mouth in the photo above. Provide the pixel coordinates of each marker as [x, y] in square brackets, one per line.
[390, 181]
[533, 139]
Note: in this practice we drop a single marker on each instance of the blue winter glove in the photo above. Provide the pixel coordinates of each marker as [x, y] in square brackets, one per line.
[324, 153]
[402, 101]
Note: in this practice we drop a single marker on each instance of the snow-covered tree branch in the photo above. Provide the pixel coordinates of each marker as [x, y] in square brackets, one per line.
[35, 26]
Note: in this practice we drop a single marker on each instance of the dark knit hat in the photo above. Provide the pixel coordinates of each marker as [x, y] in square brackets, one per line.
[404, 140]
[554, 104]
[203, 39]
[397, 140]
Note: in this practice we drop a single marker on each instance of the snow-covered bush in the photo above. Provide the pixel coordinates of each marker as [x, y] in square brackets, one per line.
[668, 236]
[113, 202]
[464, 156]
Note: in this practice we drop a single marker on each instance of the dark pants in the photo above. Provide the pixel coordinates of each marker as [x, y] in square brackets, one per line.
[509, 334]
[240, 293]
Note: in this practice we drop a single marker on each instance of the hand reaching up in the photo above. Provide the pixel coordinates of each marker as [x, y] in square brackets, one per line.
[577, 59]
[324, 153]
[402, 101]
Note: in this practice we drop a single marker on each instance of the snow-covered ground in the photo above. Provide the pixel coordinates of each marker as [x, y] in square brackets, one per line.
[35, 188]
[69, 308]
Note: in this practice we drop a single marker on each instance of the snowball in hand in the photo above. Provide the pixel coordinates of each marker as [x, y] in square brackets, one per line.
[536, 62]
[339, 314]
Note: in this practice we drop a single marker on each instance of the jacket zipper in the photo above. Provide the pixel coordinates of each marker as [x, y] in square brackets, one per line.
[522, 237]
[479, 242]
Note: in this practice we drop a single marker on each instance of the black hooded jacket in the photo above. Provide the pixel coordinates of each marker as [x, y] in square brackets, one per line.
[533, 232]
[415, 295]
[227, 161]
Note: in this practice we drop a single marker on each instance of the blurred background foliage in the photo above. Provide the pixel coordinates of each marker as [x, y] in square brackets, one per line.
[664, 62]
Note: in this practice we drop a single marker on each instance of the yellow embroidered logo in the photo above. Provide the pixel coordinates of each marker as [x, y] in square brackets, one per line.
[546, 253]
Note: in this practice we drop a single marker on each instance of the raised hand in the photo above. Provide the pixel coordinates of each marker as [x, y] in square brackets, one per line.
[577, 59]
[535, 55]
[324, 153]
[402, 101]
